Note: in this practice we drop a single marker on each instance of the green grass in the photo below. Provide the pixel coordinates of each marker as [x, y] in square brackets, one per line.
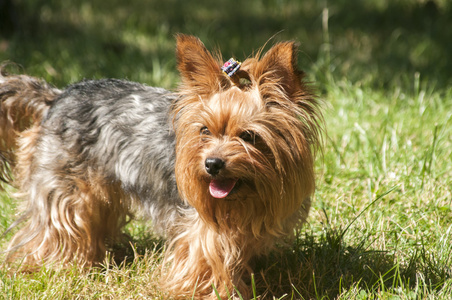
[381, 222]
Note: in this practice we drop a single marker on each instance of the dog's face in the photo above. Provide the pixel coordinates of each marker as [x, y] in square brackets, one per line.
[225, 153]
[244, 144]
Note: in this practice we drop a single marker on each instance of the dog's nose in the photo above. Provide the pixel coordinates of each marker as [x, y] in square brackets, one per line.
[214, 165]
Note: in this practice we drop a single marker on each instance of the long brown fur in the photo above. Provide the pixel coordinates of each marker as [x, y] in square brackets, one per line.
[216, 244]
[79, 211]
[241, 151]
[84, 210]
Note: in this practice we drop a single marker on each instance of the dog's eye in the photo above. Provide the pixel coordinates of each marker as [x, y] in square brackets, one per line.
[204, 131]
[248, 136]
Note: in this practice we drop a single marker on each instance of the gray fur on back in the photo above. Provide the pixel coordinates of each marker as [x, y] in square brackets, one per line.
[123, 130]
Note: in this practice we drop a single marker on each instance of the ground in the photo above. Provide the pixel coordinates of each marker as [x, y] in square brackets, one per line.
[381, 221]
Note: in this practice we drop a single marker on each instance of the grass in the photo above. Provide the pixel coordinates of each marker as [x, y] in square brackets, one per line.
[381, 222]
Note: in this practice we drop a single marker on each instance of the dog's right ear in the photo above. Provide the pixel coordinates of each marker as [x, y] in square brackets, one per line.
[200, 72]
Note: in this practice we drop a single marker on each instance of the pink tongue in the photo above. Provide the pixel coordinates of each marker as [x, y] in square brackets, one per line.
[221, 188]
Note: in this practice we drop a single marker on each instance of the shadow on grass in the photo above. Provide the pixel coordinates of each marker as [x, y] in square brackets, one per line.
[402, 37]
[325, 267]
[136, 246]
[315, 267]
[381, 40]
[321, 267]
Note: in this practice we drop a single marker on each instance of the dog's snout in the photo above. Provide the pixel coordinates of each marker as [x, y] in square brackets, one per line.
[214, 165]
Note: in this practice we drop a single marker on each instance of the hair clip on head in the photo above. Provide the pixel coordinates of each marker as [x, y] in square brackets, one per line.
[231, 67]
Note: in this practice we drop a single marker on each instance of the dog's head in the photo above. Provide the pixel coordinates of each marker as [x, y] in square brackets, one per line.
[246, 142]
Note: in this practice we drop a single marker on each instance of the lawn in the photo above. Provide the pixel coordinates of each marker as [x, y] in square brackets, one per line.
[381, 221]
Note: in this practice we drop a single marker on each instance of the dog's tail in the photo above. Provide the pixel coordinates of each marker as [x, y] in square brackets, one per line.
[23, 102]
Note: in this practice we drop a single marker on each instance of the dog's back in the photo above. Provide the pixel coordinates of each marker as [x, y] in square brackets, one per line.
[123, 130]
[81, 157]
[120, 127]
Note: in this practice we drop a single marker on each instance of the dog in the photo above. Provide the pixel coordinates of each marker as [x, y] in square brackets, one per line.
[224, 167]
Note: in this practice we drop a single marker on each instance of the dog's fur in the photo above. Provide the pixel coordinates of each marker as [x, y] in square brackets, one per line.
[241, 151]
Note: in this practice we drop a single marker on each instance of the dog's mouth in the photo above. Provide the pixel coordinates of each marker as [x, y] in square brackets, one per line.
[221, 188]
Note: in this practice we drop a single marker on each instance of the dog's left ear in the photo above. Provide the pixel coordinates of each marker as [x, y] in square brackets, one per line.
[199, 71]
[279, 67]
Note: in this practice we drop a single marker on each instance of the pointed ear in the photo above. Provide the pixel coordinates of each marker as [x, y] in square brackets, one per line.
[279, 67]
[199, 71]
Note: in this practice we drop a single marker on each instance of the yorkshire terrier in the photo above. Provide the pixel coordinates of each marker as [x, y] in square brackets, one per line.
[224, 168]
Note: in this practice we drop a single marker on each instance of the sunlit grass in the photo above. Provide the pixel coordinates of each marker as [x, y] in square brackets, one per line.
[381, 223]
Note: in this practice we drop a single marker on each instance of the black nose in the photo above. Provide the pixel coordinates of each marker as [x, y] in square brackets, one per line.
[214, 165]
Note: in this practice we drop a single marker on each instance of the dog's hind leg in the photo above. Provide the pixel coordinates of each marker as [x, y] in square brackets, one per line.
[71, 210]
